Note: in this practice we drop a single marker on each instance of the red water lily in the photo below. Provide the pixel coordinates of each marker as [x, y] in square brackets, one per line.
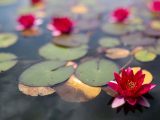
[27, 21]
[154, 6]
[61, 25]
[36, 1]
[130, 88]
[120, 14]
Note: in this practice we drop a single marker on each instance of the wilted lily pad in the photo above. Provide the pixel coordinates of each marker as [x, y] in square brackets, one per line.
[74, 40]
[79, 9]
[114, 29]
[117, 53]
[7, 39]
[51, 51]
[96, 72]
[109, 42]
[35, 91]
[145, 56]
[46, 74]
[7, 61]
[148, 76]
[75, 91]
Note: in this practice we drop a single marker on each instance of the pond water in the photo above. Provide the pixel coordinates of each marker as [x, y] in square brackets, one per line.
[16, 106]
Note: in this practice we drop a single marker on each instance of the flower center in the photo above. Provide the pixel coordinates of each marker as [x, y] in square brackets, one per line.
[131, 84]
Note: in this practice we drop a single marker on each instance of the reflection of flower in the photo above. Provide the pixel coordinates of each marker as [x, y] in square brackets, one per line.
[61, 25]
[130, 88]
[27, 21]
[36, 1]
[154, 6]
[120, 14]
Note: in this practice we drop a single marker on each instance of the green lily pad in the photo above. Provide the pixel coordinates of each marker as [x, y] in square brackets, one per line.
[26, 10]
[115, 29]
[145, 56]
[109, 42]
[7, 61]
[7, 2]
[7, 39]
[74, 40]
[53, 52]
[46, 74]
[96, 72]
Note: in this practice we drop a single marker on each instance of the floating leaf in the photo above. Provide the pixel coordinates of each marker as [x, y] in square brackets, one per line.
[96, 72]
[35, 91]
[51, 51]
[145, 56]
[155, 24]
[75, 91]
[7, 61]
[148, 76]
[46, 74]
[31, 32]
[71, 40]
[79, 9]
[137, 39]
[7, 2]
[114, 29]
[7, 39]
[109, 42]
[117, 53]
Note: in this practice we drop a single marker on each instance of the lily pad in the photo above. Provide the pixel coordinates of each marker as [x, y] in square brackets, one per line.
[35, 91]
[7, 61]
[7, 39]
[145, 56]
[46, 74]
[79, 9]
[75, 91]
[71, 40]
[114, 29]
[117, 53]
[148, 76]
[96, 72]
[109, 42]
[7, 2]
[51, 51]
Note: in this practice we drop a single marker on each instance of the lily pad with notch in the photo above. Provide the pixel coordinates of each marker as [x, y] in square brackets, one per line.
[74, 40]
[96, 72]
[46, 74]
[7, 61]
[109, 42]
[54, 52]
[7, 39]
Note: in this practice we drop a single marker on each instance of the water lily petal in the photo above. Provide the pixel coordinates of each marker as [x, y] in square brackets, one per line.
[113, 85]
[145, 88]
[118, 101]
[131, 101]
[117, 77]
[143, 101]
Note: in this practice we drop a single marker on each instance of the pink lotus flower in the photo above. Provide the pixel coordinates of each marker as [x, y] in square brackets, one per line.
[130, 88]
[120, 14]
[34, 2]
[27, 21]
[61, 25]
[154, 6]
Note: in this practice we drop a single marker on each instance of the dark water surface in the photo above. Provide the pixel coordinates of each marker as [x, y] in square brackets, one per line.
[16, 106]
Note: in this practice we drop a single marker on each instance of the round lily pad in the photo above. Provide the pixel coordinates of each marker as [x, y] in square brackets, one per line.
[35, 91]
[46, 74]
[7, 61]
[114, 29]
[145, 56]
[7, 39]
[74, 90]
[7, 2]
[51, 51]
[117, 53]
[74, 40]
[96, 72]
[109, 42]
